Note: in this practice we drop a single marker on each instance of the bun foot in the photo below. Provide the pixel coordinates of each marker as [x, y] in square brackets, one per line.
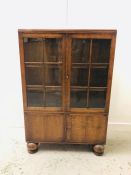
[98, 150]
[32, 147]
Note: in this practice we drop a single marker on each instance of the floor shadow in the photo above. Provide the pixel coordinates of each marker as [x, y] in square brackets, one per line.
[65, 147]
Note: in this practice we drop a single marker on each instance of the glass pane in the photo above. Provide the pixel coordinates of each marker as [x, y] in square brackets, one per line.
[79, 76]
[80, 50]
[53, 98]
[35, 98]
[97, 99]
[53, 75]
[98, 77]
[34, 75]
[78, 98]
[101, 50]
[53, 50]
[33, 49]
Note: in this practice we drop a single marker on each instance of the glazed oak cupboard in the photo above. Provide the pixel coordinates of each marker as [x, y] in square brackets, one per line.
[66, 83]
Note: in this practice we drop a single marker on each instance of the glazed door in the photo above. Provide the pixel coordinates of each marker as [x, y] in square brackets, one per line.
[88, 71]
[88, 60]
[44, 71]
[87, 86]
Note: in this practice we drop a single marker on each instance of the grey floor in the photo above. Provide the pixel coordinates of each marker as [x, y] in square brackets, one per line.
[65, 159]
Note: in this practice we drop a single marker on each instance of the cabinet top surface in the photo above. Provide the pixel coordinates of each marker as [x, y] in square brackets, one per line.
[97, 31]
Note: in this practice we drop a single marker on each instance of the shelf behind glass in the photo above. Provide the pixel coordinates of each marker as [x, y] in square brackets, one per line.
[100, 50]
[97, 99]
[80, 50]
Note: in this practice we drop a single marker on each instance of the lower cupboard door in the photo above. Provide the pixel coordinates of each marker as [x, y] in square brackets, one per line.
[89, 129]
[44, 128]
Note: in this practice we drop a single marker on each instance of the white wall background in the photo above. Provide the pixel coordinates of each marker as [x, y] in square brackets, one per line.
[90, 14]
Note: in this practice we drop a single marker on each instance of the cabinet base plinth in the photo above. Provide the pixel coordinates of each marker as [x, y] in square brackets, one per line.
[97, 149]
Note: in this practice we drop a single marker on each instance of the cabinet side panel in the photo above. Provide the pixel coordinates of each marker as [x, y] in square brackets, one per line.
[110, 73]
[21, 51]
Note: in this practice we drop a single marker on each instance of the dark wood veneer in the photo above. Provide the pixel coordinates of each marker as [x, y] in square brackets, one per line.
[66, 84]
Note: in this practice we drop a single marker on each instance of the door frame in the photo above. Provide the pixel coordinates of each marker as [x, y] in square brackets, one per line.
[21, 50]
[69, 37]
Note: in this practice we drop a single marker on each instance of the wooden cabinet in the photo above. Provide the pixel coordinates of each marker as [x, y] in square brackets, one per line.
[66, 83]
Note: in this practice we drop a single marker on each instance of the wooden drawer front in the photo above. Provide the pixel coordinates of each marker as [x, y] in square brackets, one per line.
[44, 127]
[86, 128]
